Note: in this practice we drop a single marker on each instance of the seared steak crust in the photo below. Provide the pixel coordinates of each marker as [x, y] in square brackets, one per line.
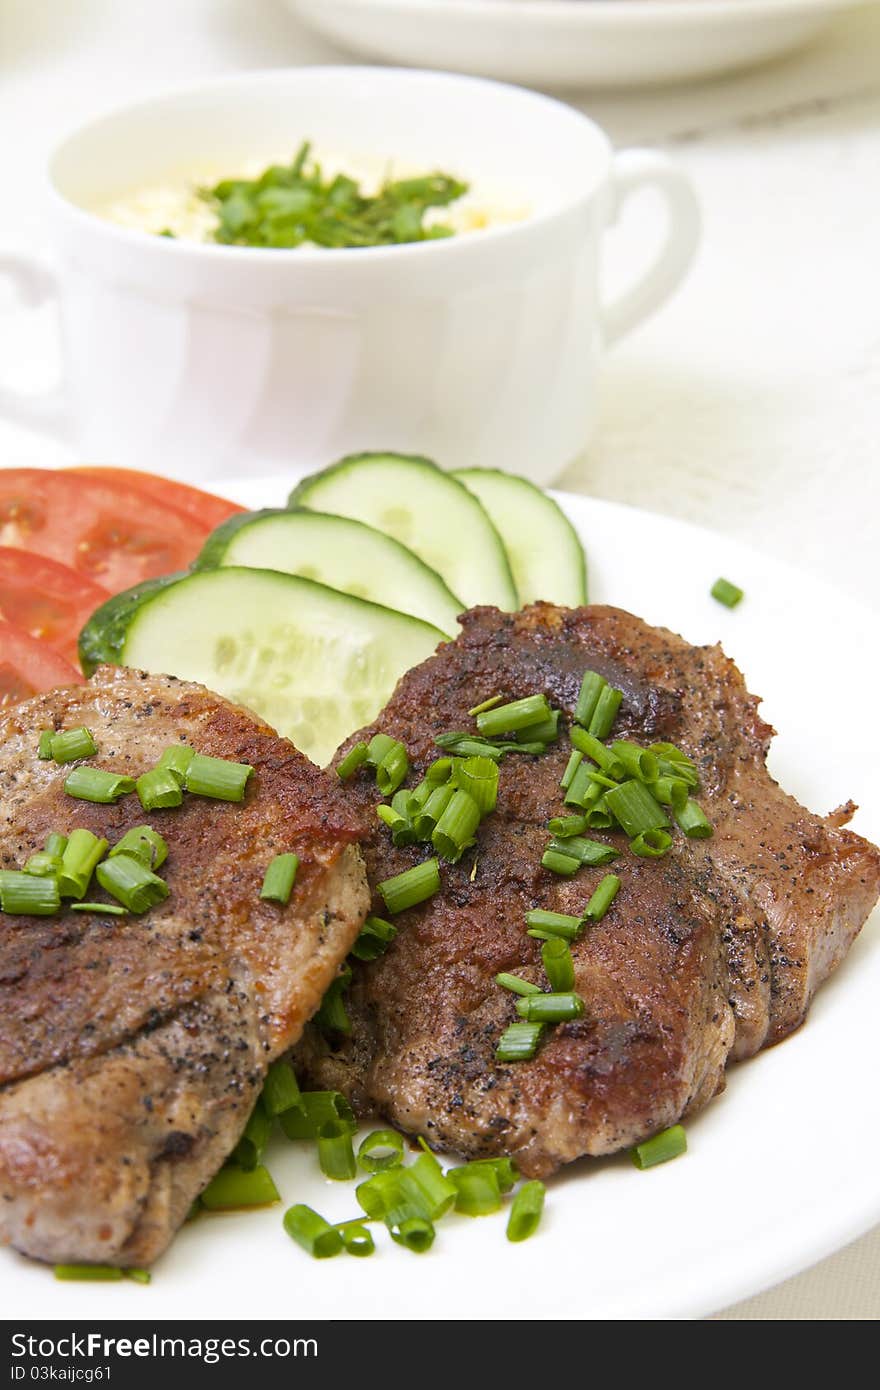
[710, 953]
[132, 1049]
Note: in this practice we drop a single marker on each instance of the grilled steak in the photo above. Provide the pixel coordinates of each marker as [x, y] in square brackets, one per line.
[132, 1048]
[708, 954]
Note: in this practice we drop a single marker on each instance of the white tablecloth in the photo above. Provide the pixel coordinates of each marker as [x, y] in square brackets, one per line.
[751, 404]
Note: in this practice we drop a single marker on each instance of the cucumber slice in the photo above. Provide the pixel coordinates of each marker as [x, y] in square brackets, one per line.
[416, 503]
[337, 551]
[544, 549]
[315, 663]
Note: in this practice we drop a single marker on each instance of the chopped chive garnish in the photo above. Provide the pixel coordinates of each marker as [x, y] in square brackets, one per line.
[584, 851]
[550, 1008]
[378, 747]
[27, 894]
[392, 770]
[43, 865]
[605, 713]
[554, 923]
[95, 784]
[505, 1170]
[55, 844]
[356, 1237]
[542, 731]
[670, 791]
[131, 882]
[144, 843]
[250, 1148]
[91, 1273]
[467, 746]
[583, 791]
[375, 937]
[439, 771]
[138, 1276]
[71, 744]
[635, 809]
[159, 789]
[416, 1233]
[279, 879]
[332, 1016]
[315, 1109]
[478, 1193]
[82, 853]
[516, 985]
[525, 1211]
[436, 1189]
[592, 686]
[176, 759]
[670, 1143]
[478, 777]
[602, 898]
[413, 886]
[430, 808]
[519, 1042]
[233, 1188]
[594, 748]
[571, 768]
[381, 1150]
[560, 863]
[683, 772]
[402, 830]
[217, 778]
[335, 1151]
[316, 1236]
[558, 964]
[600, 780]
[651, 844]
[598, 818]
[563, 826]
[280, 1089]
[693, 822]
[638, 762]
[726, 593]
[456, 828]
[102, 909]
[518, 714]
[44, 746]
[492, 701]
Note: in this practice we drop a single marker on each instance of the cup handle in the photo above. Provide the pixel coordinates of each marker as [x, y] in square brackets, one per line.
[632, 170]
[49, 410]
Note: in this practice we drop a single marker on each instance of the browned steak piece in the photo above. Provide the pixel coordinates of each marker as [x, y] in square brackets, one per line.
[132, 1048]
[711, 952]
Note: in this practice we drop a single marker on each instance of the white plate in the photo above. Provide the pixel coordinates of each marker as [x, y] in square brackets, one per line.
[571, 43]
[780, 1169]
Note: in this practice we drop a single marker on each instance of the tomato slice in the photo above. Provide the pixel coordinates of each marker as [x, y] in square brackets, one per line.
[111, 535]
[28, 667]
[202, 507]
[49, 601]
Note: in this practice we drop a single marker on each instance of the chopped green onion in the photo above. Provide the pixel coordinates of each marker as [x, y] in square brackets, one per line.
[670, 791]
[332, 1016]
[131, 882]
[682, 772]
[478, 1193]
[159, 789]
[316, 1236]
[726, 593]
[651, 844]
[519, 1042]
[138, 1276]
[550, 1008]
[439, 771]
[390, 1192]
[633, 806]
[176, 759]
[416, 1233]
[555, 923]
[556, 956]
[379, 745]
[571, 768]
[478, 777]
[375, 937]
[314, 1110]
[602, 898]
[516, 984]
[466, 746]
[43, 865]
[144, 843]
[402, 829]
[354, 759]
[601, 781]
[583, 791]
[670, 1143]
[425, 818]
[505, 1170]
[250, 1148]
[604, 757]
[492, 701]
[55, 844]
[95, 784]
[605, 713]
[280, 1089]
[72, 744]
[560, 863]
[518, 714]
[435, 1187]
[525, 1211]
[542, 731]
[335, 1151]
[26, 894]
[217, 778]
[693, 822]
[104, 909]
[92, 1273]
[233, 1188]
[81, 855]
[44, 747]
[598, 818]
[279, 879]
[456, 828]
[381, 1150]
[563, 826]
[584, 851]
[638, 762]
[356, 1237]
[392, 770]
[413, 886]
[592, 686]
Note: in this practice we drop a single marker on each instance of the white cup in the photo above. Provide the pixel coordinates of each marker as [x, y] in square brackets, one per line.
[478, 350]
